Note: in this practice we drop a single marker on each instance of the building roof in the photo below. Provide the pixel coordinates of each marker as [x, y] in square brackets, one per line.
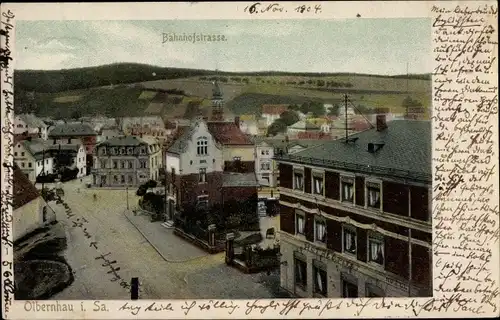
[25, 136]
[125, 141]
[169, 125]
[180, 139]
[24, 190]
[231, 179]
[406, 151]
[37, 147]
[228, 133]
[72, 129]
[31, 120]
[304, 125]
[276, 109]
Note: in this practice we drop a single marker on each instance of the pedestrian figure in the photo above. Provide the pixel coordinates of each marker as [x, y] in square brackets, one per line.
[95, 197]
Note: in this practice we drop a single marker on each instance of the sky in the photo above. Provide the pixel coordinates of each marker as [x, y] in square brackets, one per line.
[375, 46]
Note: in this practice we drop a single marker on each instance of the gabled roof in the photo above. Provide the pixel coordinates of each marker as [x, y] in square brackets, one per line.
[228, 133]
[72, 129]
[276, 109]
[304, 125]
[180, 139]
[24, 190]
[31, 120]
[36, 147]
[25, 136]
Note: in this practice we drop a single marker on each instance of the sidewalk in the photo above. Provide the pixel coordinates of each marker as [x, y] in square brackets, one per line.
[171, 247]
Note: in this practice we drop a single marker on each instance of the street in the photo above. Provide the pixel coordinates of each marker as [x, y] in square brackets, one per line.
[105, 251]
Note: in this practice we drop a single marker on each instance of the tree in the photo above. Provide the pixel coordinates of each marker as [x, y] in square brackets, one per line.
[276, 127]
[408, 102]
[289, 117]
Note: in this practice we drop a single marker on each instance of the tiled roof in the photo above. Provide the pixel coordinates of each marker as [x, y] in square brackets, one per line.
[72, 129]
[123, 141]
[313, 135]
[406, 150]
[24, 190]
[178, 143]
[228, 133]
[31, 120]
[239, 180]
[274, 108]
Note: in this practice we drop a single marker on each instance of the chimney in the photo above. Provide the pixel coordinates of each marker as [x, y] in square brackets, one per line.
[237, 121]
[381, 122]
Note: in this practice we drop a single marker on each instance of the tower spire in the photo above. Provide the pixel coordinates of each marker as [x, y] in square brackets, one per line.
[217, 100]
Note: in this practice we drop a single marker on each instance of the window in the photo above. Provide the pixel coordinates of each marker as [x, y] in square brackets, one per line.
[130, 151]
[203, 175]
[15, 154]
[130, 179]
[115, 179]
[265, 166]
[130, 164]
[202, 146]
[320, 281]
[103, 164]
[202, 201]
[122, 150]
[299, 223]
[317, 183]
[115, 164]
[349, 290]
[376, 249]
[300, 273]
[349, 238]
[143, 164]
[236, 158]
[262, 152]
[46, 161]
[22, 164]
[267, 152]
[320, 231]
[373, 195]
[122, 164]
[298, 180]
[347, 189]
[22, 154]
[173, 174]
[29, 164]
[123, 179]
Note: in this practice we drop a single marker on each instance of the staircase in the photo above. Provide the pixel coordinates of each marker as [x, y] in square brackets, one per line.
[168, 224]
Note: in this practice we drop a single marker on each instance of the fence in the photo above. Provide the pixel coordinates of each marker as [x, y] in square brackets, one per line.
[198, 235]
[252, 260]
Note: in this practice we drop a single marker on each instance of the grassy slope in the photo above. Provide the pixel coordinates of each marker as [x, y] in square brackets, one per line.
[370, 91]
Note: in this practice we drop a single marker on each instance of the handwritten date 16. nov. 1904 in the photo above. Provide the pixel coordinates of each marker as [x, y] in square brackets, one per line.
[258, 7]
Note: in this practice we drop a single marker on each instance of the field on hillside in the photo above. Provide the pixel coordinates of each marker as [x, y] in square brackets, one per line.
[240, 98]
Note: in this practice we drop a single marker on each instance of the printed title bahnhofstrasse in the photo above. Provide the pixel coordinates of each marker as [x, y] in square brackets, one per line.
[192, 37]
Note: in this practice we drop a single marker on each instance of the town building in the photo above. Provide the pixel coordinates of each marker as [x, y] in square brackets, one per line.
[126, 124]
[29, 123]
[127, 161]
[355, 215]
[69, 156]
[272, 112]
[209, 162]
[194, 167]
[34, 157]
[30, 211]
[302, 126]
[108, 132]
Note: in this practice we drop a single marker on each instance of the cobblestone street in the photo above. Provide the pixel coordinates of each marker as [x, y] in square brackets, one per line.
[106, 231]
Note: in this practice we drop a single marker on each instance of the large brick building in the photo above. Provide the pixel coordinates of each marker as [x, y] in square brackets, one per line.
[355, 216]
[208, 163]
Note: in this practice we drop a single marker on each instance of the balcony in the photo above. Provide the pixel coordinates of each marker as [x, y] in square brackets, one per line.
[369, 213]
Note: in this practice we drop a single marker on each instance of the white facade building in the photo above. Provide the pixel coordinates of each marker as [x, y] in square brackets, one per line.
[31, 124]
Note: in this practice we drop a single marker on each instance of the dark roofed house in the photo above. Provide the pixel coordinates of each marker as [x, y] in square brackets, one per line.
[64, 133]
[30, 211]
[368, 198]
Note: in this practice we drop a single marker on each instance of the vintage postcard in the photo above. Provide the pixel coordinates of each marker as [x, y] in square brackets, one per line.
[250, 160]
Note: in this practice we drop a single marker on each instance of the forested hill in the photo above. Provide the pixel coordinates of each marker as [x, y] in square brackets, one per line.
[127, 73]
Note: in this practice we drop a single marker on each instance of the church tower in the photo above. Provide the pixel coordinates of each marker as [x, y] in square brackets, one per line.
[217, 103]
